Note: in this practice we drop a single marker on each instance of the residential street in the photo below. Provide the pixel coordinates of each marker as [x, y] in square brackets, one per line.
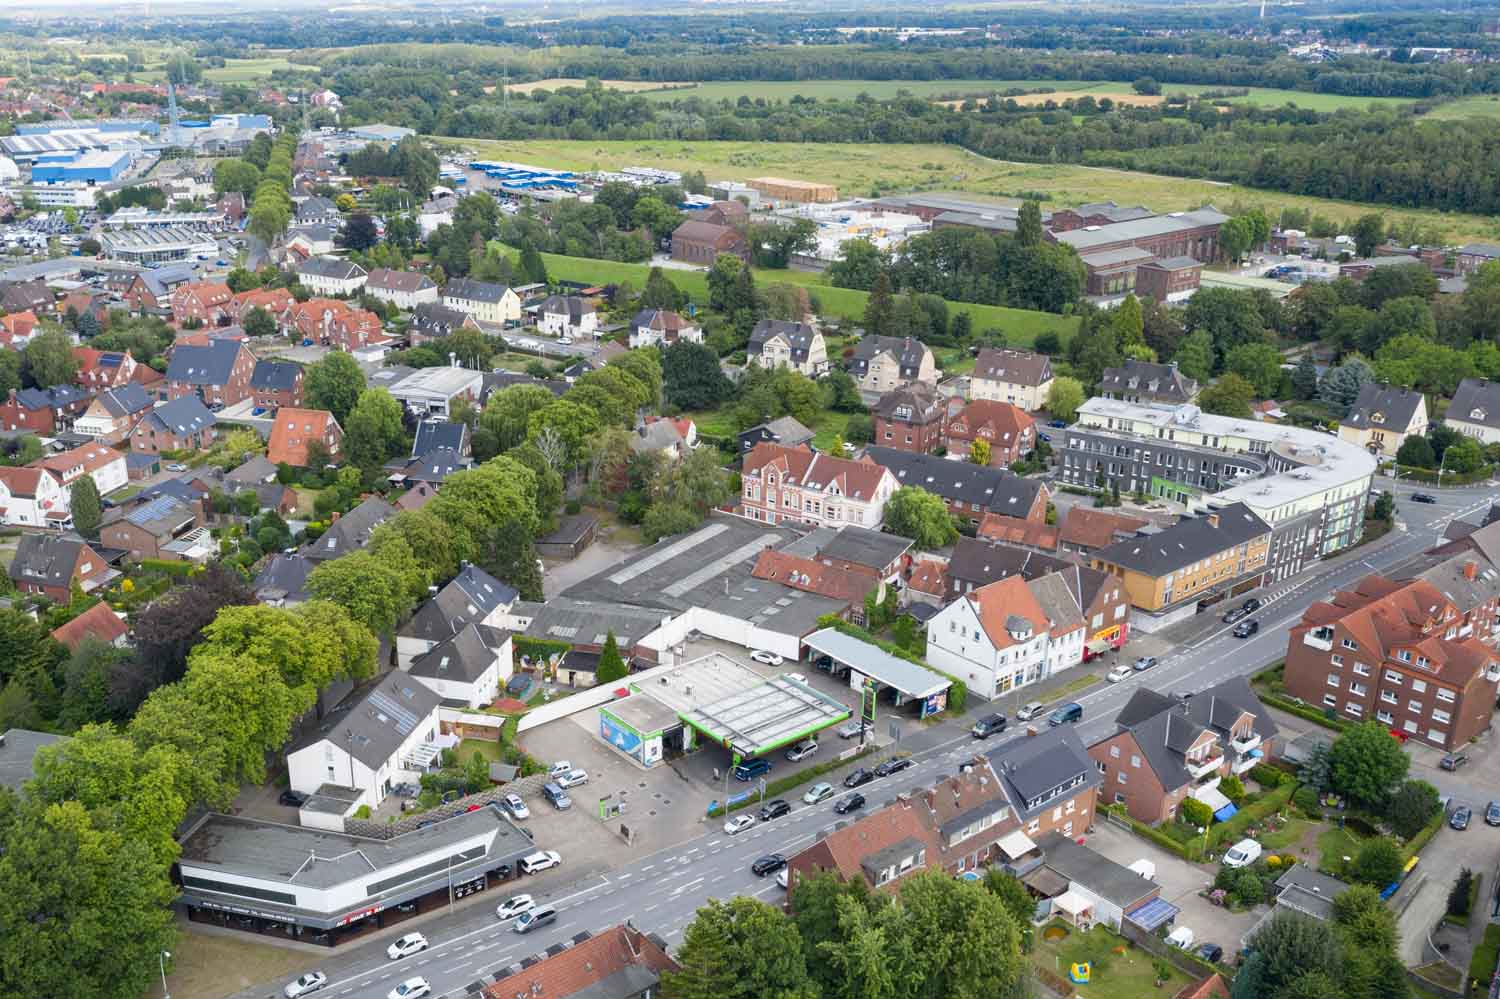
[659, 893]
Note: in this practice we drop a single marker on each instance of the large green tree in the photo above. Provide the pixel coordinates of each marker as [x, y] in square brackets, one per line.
[374, 433]
[1367, 764]
[430, 540]
[473, 502]
[915, 513]
[86, 507]
[373, 592]
[740, 949]
[1064, 398]
[334, 383]
[1231, 395]
[50, 360]
[508, 413]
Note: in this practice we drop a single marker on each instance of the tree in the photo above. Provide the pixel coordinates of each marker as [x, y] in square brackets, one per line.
[86, 506]
[508, 413]
[236, 175]
[1128, 322]
[692, 378]
[1195, 357]
[1259, 364]
[1014, 896]
[979, 452]
[430, 540]
[372, 592]
[1367, 764]
[50, 360]
[1029, 224]
[1305, 379]
[532, 267]
[258, 322]
[507, 554]
[1368, 233]
[359, 232]
[1234, 238]
[775, 243]
[660, 292]
[1341, 385]
[334, 383]
[859, 263]
[1314, 985]
[611, 666]
[1459, 902]
[915, 513]
[1416, 452]
[1231, 395]
[562, 432]
[374, 432]
[1064, 398]
[953, 939]
[1146, 86]
[1290, 945]
[168, 628]
[1095, 349]
[740, 949]
[1378, 862]
[880, 308]
[473, 501]
[88, 905]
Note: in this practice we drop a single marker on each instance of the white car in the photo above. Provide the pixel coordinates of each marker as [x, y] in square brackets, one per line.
[821, 791]
[1119, 673]
[768, 658]
[308, 983]
[412, 988]
[559, 768]
[738, 824]
[406, 946]
[799, 677]
[542, 860]
[565, 340]
[514, 906]
[573, 778]
[516, 807]
[1030, 710]
[1242, 854]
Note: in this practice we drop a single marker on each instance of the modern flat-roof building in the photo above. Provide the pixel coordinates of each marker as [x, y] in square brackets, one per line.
[1308, 486]
[157, 246]
[319, 886]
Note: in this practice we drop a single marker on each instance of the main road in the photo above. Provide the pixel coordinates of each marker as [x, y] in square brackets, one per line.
[660, 893]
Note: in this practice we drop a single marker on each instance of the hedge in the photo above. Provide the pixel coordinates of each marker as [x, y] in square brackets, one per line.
[1304, 711]
[1424, 835]
[1272, 802]
[1486, 956]
[1430, 476]
[536, 647]
[778, 787]
[1268, 776]
[958, 694]
[167, 567]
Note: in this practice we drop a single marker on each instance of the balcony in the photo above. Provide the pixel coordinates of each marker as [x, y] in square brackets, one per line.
[1492, 672]
[1243, 764]
[1319, 638]
[1245, 745]
[1205, 768]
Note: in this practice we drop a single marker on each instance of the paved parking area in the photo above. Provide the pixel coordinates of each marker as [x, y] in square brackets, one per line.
[1180, 883]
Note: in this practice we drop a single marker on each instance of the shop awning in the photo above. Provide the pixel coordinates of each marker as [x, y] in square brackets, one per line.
[1097, 645]
[1016, 844]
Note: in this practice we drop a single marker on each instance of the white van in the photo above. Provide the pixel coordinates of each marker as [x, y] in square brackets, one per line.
[1242, 854]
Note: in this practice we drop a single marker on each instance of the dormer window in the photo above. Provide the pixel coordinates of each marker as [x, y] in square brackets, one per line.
[1377, 417]
[1477, 413]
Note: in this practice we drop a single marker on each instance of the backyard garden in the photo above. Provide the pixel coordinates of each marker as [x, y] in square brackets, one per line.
[1116, 967]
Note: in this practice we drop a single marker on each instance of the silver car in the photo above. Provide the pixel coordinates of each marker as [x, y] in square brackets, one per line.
[306, 985]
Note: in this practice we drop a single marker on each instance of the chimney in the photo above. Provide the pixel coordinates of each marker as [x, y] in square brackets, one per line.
[1213, 520]
[334, 519]
[452, 360]
[1471, 569]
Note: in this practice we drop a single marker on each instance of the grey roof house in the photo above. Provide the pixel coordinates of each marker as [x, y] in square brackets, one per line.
[1148, 384]
[351, 531]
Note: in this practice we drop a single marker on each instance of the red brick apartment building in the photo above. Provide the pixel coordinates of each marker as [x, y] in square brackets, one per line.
[1400, 653]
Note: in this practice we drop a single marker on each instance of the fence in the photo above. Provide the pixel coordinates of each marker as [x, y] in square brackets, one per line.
[386, 830]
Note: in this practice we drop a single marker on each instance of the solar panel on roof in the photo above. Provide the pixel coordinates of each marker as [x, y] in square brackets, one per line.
[404, 720]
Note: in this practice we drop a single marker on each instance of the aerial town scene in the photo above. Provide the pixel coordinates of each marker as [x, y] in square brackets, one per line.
[767, 499]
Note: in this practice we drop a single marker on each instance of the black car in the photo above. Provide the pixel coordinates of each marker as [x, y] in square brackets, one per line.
[1211, 952]
[894, 765]
[1460, 818]
[293, 799]
[775, 810]
[769, 864]
[1423, 498]
[1245, 629]
[988, 726]
[859, 777]
[1250, 606]
[1235, 615]
[849, 803]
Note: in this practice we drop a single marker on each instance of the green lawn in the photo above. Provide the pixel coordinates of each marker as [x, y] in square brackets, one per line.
[1287, 835]
[863, 169]
[1128, 975]
[248, 70]
[1334, 844]
[828, 425]
[468, 747]
[1479, 106]
[1020, 326]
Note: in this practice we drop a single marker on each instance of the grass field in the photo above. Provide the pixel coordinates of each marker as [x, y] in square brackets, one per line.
[246, 70]
[1020, 326]
[1118, 968]
[558, 82]
[1481, 106]
[882, 89]
[862, 170]
[206, 966]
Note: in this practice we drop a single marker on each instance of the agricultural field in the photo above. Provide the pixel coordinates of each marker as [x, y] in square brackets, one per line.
[1062, 90]
[869, 170]
[558, 82]
[248, 70]
[1020, 326]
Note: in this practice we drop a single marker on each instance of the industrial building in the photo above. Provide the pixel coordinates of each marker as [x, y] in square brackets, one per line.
[799, 191]
[157, 246]
[90, 167]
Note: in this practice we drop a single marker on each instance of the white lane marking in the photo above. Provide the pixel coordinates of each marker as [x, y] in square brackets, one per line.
[457, 967]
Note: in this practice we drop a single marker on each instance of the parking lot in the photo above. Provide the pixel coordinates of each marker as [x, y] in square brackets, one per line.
[1180, 884]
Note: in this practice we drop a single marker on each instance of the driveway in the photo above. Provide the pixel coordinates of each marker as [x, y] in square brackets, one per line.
[1180, 883]
[1477, 848]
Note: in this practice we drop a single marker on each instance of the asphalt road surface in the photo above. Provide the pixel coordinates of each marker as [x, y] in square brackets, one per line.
[661, 892]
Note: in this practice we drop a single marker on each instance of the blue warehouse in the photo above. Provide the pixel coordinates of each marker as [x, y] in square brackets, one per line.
[80, 168]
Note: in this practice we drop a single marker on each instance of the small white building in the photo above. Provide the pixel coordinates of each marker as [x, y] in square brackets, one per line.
[470, 667]
[567, 315]
[1475, 410]
[431, 391]
[662, 328]
[387, 736]
[103, 464]
[994, 639]
[32, 497]
[331, 276]
[403, 289]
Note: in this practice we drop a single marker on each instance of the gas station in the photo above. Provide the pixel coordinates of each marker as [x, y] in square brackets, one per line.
[898, 681]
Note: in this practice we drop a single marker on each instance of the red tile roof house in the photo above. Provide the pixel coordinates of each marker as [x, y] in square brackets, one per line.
[295, 430]
[102, 369]
[32, 497]
[99, 623]
[217, 372]
[17, 328]
[1009, 430]
[617, 963]
[800, 485]
[50, 565]
[277, 302]
[812, 576]
[205, 301]
[1400, 653]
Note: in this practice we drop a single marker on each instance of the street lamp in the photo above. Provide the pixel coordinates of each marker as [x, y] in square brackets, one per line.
[161, 961]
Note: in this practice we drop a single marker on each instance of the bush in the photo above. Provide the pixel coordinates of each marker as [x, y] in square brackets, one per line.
[1306, 800]
[1268, 777]
[1486, 955]
[1461, 897]
[1233, 789]
[1378, 862]
[1195, 813]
